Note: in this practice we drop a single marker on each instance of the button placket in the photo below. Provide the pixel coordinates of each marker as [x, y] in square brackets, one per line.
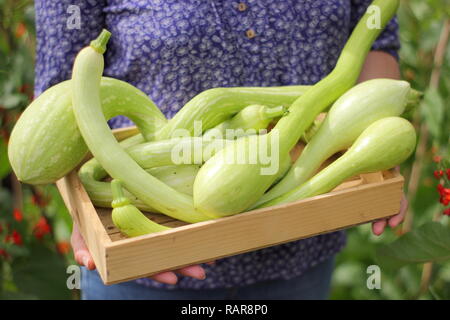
[250, 33]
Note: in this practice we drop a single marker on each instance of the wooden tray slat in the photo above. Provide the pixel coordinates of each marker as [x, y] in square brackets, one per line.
[209, 240]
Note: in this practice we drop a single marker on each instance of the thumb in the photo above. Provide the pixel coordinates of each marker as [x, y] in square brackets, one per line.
[80, 251]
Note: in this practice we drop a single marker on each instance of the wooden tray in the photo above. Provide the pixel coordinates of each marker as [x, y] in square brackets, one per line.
[359, 200]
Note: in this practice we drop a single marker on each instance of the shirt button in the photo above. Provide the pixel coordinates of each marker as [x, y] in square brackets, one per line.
[242, 6]
[250, 33]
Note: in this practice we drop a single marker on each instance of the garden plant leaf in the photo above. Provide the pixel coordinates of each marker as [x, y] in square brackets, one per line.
[427, 243]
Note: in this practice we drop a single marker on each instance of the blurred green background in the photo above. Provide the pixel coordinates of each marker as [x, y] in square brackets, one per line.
[35, 226]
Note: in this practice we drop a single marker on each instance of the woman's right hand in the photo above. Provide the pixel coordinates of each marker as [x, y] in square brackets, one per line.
[84, 258]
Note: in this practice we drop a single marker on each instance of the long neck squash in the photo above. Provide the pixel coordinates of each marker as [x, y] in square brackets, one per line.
[249, 120]
[343, 77]
[348, 117]
[231, 191]
[46, 144]
[213, 106]
[382, 145]
[86, 75]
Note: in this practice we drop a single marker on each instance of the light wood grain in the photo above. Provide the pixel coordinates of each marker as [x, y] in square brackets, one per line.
[372, 177]
[205, 241]
[85, 215]
[124, 133]
[83, 212]
[349, 184]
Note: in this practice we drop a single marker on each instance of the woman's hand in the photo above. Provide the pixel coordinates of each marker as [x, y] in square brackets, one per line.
[84, 258]
[379, 225]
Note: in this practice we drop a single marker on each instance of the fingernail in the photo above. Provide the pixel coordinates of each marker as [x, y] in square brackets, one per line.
[174, 280]
[86, 261]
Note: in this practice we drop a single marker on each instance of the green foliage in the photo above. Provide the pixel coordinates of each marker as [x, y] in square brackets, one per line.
[433, 112]
[5, 167]
[35, 225]
[428, 243]
[41, 275]
[17, 53]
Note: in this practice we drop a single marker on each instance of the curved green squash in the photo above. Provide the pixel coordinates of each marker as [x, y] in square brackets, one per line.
[250, 120]
[127, 217]
[354, 111]
[46, 144]
[86, 77]
[382, 145]
[214, 106]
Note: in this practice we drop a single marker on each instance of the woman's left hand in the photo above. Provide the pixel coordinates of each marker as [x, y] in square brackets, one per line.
[379, 225]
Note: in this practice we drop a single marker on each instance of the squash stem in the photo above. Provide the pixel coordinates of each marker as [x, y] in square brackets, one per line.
[414, 99]
[119, 199]
[99, 44]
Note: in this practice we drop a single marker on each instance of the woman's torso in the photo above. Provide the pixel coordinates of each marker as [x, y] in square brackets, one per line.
[174, 49]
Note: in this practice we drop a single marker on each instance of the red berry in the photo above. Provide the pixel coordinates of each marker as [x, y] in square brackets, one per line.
[15, 238]
[445, 200]
[447, 212]
[438, 174]
[20, 30]
[63, 247]
[41, 228]
[17, 215]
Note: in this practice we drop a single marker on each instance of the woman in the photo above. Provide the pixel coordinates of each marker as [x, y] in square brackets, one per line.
[175, 49]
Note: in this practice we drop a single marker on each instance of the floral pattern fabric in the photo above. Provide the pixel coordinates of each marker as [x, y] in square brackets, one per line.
[175, 49]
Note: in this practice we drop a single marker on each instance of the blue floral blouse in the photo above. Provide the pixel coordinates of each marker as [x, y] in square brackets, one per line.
[174, 49]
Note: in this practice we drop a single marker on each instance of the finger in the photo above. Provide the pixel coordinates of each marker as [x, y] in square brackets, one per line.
[80, 250]
[378, 227]
[168, 277]
[397, 219]
[195, 271]
[84, 258]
